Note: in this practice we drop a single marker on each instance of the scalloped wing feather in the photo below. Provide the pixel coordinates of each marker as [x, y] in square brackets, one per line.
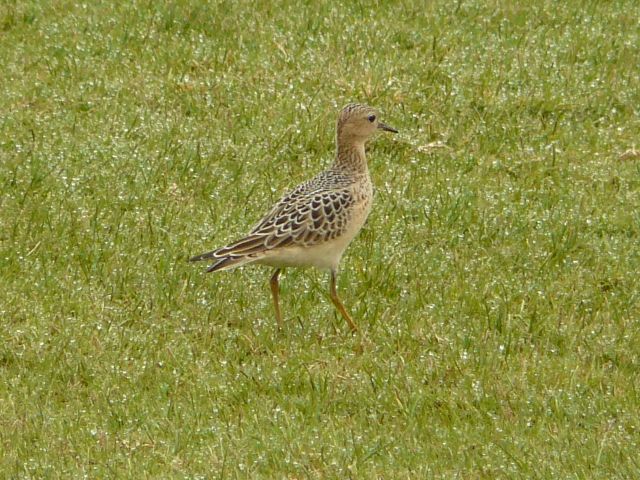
[310, 214]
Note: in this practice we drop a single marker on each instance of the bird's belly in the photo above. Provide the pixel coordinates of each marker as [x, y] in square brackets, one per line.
[323, 256]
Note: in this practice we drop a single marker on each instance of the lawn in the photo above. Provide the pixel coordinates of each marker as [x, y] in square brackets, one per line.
[495, 283]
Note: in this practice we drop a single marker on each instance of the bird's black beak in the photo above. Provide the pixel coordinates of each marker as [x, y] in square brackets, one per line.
[386, 128]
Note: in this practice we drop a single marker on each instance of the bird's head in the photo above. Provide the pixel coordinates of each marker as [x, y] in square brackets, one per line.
[359, 122]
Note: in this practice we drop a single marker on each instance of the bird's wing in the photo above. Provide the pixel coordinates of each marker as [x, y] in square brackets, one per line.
[310, 214]
[306, 216]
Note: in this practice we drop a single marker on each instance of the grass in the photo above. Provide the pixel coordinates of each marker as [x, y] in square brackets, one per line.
[495, 282]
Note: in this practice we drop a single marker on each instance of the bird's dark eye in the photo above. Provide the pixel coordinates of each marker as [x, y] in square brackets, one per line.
[372, 118]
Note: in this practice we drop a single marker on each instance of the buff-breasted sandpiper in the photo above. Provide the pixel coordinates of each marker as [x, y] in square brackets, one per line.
[314, 223]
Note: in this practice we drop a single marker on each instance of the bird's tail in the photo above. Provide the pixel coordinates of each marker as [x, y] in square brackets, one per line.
[246, 250]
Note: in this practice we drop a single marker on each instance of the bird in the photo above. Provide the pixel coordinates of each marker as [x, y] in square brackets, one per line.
[313, 224]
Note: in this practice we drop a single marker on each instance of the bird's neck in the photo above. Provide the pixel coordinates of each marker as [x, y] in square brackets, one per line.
[350, 156]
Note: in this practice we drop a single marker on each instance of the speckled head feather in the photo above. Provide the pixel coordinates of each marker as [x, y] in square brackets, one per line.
[351, 109]
[357, 123]
[354, 111]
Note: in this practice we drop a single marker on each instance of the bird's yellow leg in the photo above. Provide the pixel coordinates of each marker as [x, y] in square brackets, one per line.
[338, 303]
[275, 292]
